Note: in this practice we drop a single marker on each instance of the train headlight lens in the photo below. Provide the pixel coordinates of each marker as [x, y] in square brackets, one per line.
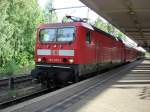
[39, 59]
[71, 60]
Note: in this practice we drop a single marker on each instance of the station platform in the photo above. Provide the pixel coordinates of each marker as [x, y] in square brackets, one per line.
[130, 93]
[126, 90]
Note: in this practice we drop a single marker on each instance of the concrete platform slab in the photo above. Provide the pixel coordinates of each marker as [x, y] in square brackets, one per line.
[130, 93]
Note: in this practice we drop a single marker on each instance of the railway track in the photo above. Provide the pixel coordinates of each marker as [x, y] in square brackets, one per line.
[23, 98]
[18, 79]
[29, 95]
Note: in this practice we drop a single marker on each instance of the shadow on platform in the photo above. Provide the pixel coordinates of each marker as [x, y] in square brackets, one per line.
[139, 75]
[137, 78]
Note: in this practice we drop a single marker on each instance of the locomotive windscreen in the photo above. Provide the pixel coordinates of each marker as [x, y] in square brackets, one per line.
[65, 34]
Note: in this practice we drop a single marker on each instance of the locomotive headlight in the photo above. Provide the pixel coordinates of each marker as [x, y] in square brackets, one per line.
[39, 59]
[71, 60]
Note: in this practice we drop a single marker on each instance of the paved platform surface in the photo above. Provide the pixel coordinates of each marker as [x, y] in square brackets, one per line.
[129, 93]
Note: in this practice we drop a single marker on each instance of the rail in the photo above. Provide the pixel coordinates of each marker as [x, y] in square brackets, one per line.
[18, 79]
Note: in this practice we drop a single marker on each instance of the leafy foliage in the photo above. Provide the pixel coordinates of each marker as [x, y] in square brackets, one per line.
[107, 27]
[11, 67]
[18, 21]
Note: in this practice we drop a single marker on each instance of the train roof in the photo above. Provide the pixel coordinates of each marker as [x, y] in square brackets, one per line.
[65, 24]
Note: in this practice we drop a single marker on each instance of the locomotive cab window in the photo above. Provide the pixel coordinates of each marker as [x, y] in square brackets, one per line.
[47, 35]
[88, 37]
[65, 34]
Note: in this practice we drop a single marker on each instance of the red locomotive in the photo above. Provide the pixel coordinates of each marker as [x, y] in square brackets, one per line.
[66, 51]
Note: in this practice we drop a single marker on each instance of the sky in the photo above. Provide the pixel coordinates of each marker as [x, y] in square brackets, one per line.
[83, 12]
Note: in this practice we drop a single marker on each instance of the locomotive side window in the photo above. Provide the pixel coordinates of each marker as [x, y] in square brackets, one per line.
[88, 37]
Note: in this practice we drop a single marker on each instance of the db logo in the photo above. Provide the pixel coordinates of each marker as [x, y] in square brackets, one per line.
[55, 52]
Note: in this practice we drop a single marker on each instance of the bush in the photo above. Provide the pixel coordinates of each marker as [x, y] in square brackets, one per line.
[23, 59]
[11, 67]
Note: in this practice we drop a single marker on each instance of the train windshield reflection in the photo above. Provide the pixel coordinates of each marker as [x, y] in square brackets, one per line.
[65, 34]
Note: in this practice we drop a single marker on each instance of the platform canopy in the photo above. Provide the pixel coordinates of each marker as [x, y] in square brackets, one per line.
[130, 16]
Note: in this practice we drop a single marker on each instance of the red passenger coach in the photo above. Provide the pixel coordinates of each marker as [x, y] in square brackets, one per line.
[66, 51]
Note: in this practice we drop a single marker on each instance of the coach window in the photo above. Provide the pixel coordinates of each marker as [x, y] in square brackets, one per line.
[88, 37]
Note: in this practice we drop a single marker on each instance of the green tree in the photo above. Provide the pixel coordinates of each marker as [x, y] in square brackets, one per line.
[107, 27]
[18, 22]
[110, 29]
[100, 24]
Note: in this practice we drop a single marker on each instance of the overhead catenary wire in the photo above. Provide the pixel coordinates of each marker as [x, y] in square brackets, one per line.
[65, 8]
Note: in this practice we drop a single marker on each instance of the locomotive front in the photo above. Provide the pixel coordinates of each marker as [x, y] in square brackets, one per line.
[55, 54]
